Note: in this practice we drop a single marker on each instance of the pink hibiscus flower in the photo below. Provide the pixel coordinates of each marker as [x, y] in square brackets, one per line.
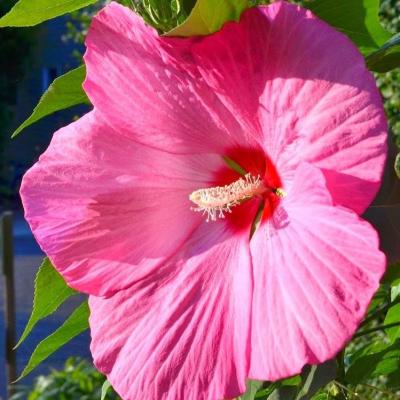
[182, 308]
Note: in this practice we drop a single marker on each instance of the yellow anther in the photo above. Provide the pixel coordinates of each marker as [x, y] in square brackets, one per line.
[280, 192]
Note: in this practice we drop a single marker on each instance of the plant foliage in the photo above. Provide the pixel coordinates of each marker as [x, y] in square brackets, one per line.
[78, 380]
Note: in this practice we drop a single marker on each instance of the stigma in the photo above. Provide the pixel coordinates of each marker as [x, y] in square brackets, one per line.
[215, 202]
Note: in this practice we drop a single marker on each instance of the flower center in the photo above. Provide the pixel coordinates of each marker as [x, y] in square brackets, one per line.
[216, 201]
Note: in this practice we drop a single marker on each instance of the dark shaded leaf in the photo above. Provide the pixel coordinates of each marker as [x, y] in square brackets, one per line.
[387, 57]
[384, 213]
[315, 378]
[368, 348]
[373, 365]
[393, 380]
[392, 275]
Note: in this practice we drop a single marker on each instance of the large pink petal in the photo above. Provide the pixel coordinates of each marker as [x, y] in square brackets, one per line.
[321, 105]
[316, 267]
[280, 77]
[106, 210]
[149, 87]
[182, 333]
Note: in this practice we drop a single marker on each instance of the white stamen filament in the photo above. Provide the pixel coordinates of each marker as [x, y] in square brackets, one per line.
[217, 201]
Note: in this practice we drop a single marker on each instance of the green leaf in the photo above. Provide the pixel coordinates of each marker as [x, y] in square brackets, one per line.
[104, 390]
[300, 386]
[394, 292]
[397, 165]
[267, 391]
[379, 299]
[384, 60]
[66, 91]
[316, 377]
[373, 365]
[33, 12]
[76, 323]
[252, 388]
[321, 396]
[285, 389]
[368, 349]
[393, 380]
[358, 19]
[293, 381]
[50, 292]
[393, 316]
[208, 16]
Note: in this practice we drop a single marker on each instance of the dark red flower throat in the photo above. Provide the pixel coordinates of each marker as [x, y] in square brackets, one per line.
[244, 192]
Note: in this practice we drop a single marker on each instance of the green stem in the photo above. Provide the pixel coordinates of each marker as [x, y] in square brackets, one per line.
[257, 219]
[341, 372]
[375, 329]
[235, 166]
